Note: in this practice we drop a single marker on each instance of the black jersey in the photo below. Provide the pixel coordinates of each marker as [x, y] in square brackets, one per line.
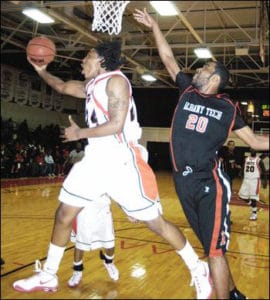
[200, 126]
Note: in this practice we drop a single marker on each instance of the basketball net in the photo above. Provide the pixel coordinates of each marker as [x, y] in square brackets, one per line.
[108, 16]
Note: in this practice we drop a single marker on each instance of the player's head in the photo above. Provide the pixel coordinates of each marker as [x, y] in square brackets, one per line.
[110, 52]
[105, 56]
[231, 145]
[213, 73]
[253, 152]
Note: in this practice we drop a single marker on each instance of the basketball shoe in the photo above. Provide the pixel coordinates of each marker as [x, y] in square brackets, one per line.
[202, 281]
[110, 267]
[235, 294]
[253, 217]
[75, 279]
[42, 281]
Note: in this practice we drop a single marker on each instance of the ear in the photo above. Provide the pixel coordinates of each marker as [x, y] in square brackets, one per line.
[216, 79]
[102, 62]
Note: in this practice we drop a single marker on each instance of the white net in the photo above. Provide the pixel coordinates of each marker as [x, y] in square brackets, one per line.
[108, 16]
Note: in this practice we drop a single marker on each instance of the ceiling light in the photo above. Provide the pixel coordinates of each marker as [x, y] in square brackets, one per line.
[203, 53]
[164, 8]
[148, 77]
[244, 103]
[38, 15]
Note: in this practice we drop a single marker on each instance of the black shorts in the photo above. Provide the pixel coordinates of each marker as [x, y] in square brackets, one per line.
[205, 198]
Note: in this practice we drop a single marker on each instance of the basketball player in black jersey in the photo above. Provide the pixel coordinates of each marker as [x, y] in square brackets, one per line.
[202, 121]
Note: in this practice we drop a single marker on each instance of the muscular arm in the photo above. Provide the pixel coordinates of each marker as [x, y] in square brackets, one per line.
[118, 93]
[73, 88]
[255, 141]
[164, 50]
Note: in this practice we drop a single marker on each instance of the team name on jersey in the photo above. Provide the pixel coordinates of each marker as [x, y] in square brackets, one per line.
[203, 110]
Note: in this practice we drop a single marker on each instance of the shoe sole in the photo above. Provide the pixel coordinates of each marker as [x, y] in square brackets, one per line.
[36, 289]
[75, 285]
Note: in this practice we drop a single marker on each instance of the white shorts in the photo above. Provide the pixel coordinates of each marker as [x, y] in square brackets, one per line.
[250, 189]
[93, 227]
[119, 171]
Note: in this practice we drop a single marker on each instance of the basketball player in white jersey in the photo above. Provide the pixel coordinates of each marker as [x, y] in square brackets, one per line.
[93, 229]
[250, 189]
[113, 165]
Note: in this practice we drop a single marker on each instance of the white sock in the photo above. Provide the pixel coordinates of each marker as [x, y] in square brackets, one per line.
[78, 263]
[54, 258]
[189, 256]
[109, 257]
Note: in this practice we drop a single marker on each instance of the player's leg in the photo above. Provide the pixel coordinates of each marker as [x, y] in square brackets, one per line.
[135, 189]
[46, 279]
[76, 277]
[108, 257]
[215, 222]
[253, 206]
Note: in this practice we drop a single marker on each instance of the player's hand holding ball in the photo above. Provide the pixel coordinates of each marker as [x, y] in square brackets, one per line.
[40, 52]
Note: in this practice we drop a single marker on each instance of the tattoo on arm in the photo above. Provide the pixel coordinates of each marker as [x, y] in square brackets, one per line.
[117, 106]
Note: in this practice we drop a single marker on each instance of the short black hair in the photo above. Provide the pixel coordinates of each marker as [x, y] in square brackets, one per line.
[111, 52]
[223, 73]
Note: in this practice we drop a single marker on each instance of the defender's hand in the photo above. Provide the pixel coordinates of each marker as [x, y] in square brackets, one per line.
[144, 18]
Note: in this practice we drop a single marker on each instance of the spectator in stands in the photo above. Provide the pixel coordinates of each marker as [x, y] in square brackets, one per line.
[18, 163]
[74, 156]
[49, 168]
[40, 163]
[59, 160]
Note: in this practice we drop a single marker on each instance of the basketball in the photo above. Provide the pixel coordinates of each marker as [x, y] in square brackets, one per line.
[41, 50]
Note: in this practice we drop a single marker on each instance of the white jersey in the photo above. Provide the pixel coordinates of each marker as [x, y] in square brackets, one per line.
[252, 169]
[250, 187]
[115, 165]
[96, 109]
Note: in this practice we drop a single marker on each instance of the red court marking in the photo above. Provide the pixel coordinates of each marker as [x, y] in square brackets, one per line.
[18, 263]
[155, 250]
[124, 246]
[6, 183]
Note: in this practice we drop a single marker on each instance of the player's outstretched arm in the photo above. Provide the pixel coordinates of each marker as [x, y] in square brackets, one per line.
[73, 88]
[255, 141]
[165, 51]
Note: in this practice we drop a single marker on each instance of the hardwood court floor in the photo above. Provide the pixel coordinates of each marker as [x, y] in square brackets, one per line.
[149, 267]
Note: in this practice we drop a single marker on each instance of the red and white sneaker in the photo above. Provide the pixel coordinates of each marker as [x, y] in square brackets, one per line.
[202, 280]
[42, 281]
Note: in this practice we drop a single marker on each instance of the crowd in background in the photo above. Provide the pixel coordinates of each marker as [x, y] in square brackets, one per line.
[35, 152]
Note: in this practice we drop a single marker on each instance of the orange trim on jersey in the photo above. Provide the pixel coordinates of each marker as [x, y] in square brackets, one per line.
[233, 120]
[146, 176]
[217, 222]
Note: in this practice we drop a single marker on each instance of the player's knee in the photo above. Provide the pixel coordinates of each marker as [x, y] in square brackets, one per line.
[156, 225]
[62, 217]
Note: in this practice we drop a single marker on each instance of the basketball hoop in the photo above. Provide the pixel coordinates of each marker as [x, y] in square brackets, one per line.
[108, 16]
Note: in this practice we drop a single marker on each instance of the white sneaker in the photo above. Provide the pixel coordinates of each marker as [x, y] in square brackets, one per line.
[253, 217]
[42, 281]
[75, 279]
[112, 271]
[202, 281]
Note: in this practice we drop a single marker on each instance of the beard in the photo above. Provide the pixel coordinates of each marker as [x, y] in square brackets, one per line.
[199, 82]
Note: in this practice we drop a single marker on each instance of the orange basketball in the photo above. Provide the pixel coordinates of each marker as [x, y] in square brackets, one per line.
[41, 50]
